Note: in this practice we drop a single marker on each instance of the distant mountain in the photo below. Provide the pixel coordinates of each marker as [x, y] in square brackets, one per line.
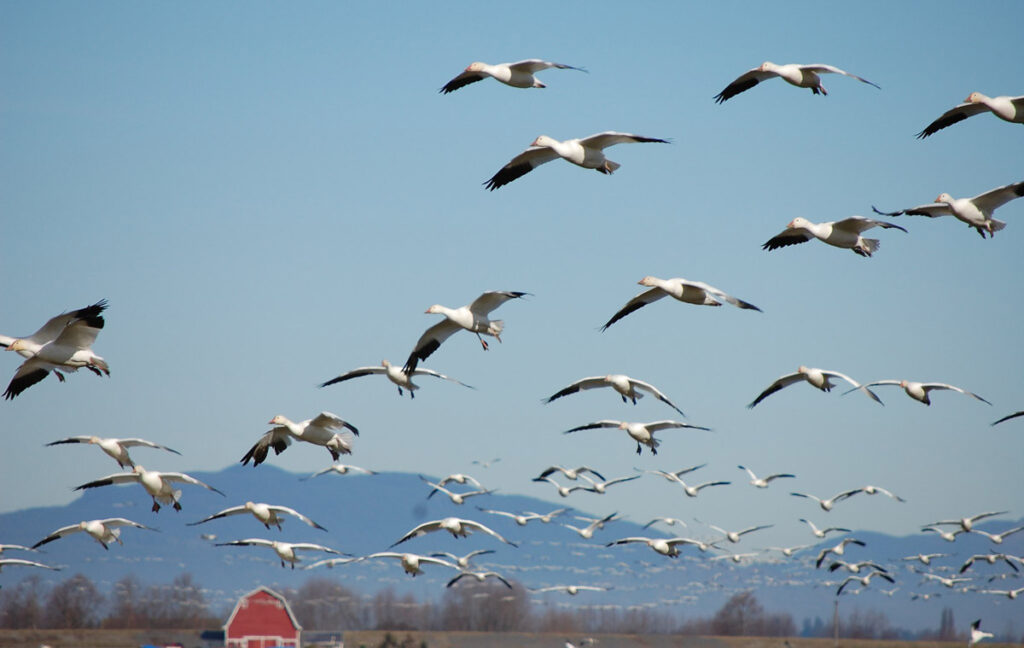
[364, 514]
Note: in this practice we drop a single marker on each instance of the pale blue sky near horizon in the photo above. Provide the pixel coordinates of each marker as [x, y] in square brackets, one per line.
[269, 195]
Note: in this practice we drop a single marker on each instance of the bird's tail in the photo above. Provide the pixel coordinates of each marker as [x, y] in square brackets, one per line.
[867, 247]
[996, 225]
[609, 167]
[496, 327]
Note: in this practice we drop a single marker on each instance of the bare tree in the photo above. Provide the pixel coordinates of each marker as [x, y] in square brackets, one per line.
[20, 605]
[323, 604]
[74, 603]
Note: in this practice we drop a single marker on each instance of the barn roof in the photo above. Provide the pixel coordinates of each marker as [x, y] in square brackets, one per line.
[267, 590]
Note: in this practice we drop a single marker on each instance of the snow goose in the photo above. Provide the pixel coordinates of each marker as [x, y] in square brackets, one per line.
[320, 430]
[159, 485]
[664, 546]
[734, 536]
[919, 391]
[570, 473]
[670, 521]
[976, 212]
[876, 490]
[600, 487]
[841, 234]
[68, 350]
[1010, 594]
[642, 433]
[587, 532]
[563, 491]
[821, 533]
[626, 387]
[788, 552]
[948, 536]
[462, 562]
[856, 567]
[459, 478]
[411, 563]
[947, 581]
[689, 292]
[103, 531]
[924, 559]
[472, 317]
[838, 550]
[456, 498]
[18, 562]
[522, 519]
[587, 152]
[267, 514]
[977, 634]
[458, 527]
[801, 76]
[990, 558]
[480, 577]
[340, 469]
[518, 75]
[1010, 109]
[286, 551]
[864, 580]
[13, 547]
[116, 448]
[571, 590]
[997, 538]
[827, 504]
[820, 378]
[394, 374]
[691, 491]
[737, 558]
[762, 482]
[1008, 417]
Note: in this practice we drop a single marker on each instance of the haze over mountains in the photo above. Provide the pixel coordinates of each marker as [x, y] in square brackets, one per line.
[364, 514]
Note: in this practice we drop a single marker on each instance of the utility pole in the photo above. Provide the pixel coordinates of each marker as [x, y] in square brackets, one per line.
[835, 621]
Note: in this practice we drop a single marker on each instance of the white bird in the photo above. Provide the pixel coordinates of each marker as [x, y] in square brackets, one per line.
[329, 563]
[13, 547]
[1010, 109]
[480, 577]
[967, 523]
[670, 521]
[875, 490]
[563, 491]
[664, 546]
[587, 532]
[395, 374]
[286, 551]
[587, 152]
[820, 378]
[600, 487]
[976, 211]
[626, 387]
[63, 344]
[456, 498]
[990, 558]
[762, 482]
[159, 485]
[458, 527]
[571, 590]
[103, 531]
[472, 317]
[948, 536]
[522, 519]
[340, 469]
[856, 567]
[827, 504]
[844, 234]
[801, 76]
[459, 478]
[642, 433]
[689, 292]
[518, 75]
[998, 538]
[864, 580]
[599, 521]
[838, 550]
[321, 430]
[948, 581]
[919, 391]
[734, 536]
[737, 558]
[411, 563]
[924, 559]
[462, 562]
[977, 634]
[821, 533]
[789, 551]
[267, 514]
[691, 491]
[570, 473]
[1008, 417]
[116, 448]
[1010, 594]
[18, 562]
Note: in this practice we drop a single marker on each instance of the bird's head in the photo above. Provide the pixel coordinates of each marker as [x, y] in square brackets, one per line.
[543, 140]
[385, 364]
[250, 505]
[798, 222]
[766, 66]
[801, 369]
[475, 66]
[17, 345]
[436, 308]
[647, 281]
[974, 97]
[277, 420]
[944, 198]
[903, 384]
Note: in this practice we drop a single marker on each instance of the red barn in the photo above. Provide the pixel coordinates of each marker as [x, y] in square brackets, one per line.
[261, 619]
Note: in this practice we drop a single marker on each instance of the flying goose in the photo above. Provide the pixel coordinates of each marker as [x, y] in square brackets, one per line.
[600, 487]
[103, 531]
[626, 387]
[990, 558]
[820, 378]
[1010, 109]
[563, 491]
[664, 546]
[948, 581]
[480, 577]
[919, 391]
[51, 330]
[734, 536]
[570, 473]
[977, 634]
[924, 559]
[821, 533]
[462, 562]
[691, 491]
[456, 498]
[1008, 417]
[116, 448]
[13, 547]
[18, 562]
[670, 521]
[159, 485]
[411, 563]
[997, 538]
[587, 152]
[789, 551]
[801, 76]
[864, 580]
[838, 550]
[267, 514]
[690, 292]
[827, 504]
[286, 551]
[762, 482]
[976, 211]
[844, 234]
[948, 536]
[587, 532]
[472, 317]
[856, 567]
[642, 433]
[518, 75]
[321, 430]
[394, 374]
[967, 523]
[571, 590]
[522, 519]
[340, 469]
[458, 527]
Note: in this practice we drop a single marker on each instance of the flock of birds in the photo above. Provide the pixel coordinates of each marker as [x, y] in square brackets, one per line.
[64, 344]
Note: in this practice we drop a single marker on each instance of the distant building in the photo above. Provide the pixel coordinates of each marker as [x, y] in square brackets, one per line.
[262, 619]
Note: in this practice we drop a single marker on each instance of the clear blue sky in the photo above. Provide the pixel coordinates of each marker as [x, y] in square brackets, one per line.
[272, 194]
